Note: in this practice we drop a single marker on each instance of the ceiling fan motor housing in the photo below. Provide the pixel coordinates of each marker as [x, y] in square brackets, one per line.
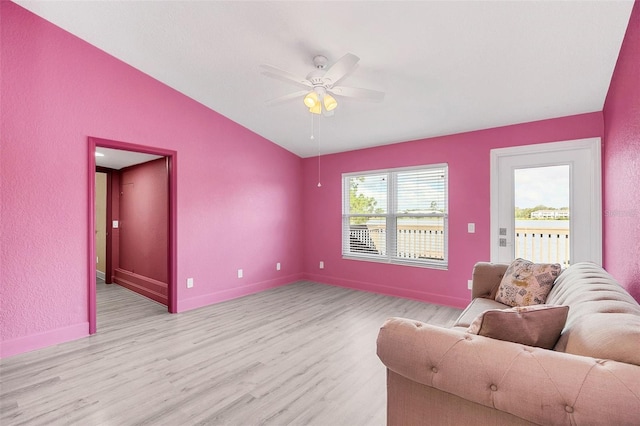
[316, 77]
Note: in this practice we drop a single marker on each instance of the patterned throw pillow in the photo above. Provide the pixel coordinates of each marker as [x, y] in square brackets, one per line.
[535, 325]
[527, 283]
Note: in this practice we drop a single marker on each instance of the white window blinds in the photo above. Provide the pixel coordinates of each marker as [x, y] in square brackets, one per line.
[396, 216]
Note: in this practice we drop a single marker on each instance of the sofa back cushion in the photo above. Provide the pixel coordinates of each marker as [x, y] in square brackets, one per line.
[604, 320]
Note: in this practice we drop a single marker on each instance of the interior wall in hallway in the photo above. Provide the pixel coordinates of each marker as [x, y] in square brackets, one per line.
[143, 228]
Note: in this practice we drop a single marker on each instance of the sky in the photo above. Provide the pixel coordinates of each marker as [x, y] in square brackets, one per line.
[542, 185]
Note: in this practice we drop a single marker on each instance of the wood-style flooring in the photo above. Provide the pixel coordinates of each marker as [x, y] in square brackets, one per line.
[302, 354]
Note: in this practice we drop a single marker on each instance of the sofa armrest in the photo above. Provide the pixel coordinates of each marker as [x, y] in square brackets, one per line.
[538, 385]
[486, 279]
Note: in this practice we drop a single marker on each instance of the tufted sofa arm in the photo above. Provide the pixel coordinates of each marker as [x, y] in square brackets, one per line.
[537, 385]
[486, 279]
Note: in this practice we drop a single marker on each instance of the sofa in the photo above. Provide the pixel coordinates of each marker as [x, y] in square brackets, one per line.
[449, 376]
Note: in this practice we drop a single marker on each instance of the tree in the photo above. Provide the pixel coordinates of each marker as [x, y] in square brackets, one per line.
[359, 204]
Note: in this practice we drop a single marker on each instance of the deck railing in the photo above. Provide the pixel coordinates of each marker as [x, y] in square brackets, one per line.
[413, 241]
[550, 245]
[540, 244]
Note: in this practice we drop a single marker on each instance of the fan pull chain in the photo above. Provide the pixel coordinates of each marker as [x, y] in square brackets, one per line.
[319, 184]
[312, 138]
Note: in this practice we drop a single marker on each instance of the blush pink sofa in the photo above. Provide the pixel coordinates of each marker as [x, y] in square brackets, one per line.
[446, 376]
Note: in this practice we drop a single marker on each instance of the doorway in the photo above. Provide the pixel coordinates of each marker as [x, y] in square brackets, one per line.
[546, 202]
[171, 158]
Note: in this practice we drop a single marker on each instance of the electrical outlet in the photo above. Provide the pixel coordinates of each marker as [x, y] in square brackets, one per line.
[189, 282]
[278, 266]
[240, 273]
[321, 264]
[471, 228]
[469, 284]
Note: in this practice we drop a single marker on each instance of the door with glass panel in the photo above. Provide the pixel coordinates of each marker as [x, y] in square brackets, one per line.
[546, 203]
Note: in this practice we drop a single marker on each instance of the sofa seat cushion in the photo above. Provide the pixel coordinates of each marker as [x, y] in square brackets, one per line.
[527, 283]
[536, 325]
[475, 308]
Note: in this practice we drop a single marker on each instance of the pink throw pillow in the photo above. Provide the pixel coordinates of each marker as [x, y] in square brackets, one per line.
[536, 325]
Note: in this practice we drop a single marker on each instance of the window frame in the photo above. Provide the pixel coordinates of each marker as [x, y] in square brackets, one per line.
[391, 217]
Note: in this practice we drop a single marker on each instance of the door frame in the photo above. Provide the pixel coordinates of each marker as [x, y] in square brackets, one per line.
[591, 145]
[172, 251]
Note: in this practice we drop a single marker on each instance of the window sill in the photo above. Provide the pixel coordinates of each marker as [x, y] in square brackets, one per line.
[400, 262]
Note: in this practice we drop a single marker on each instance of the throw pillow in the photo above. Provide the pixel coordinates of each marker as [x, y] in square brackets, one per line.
[536, 325]
[526, 283]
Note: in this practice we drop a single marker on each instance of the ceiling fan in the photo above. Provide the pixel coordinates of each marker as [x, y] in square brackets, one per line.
[320, 84]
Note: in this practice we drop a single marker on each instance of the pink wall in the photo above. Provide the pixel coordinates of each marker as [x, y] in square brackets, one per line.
[468, 157]
[621, 163]
[56, 91]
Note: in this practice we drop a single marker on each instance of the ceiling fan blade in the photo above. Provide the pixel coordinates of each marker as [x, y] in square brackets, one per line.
[354, 92]
[288, 97]
[285, 76]
[341, 68]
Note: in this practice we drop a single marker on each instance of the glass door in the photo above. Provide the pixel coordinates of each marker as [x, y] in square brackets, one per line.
[542, 217]
[546, 203]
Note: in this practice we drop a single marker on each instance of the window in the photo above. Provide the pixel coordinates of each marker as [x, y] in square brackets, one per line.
[396, 216]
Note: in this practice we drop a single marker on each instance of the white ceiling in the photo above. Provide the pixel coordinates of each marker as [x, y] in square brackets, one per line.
[118, 159]
[446, 66]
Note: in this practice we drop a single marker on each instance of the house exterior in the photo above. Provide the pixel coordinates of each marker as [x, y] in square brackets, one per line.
[57, 91]
[550, 214]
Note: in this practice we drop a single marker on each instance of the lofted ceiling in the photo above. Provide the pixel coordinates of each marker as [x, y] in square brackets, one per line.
[446, 66]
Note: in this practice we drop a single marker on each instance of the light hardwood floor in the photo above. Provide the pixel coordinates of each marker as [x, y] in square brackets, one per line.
[302, 354]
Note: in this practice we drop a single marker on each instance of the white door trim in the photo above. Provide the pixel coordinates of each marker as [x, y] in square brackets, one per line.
[593, 147]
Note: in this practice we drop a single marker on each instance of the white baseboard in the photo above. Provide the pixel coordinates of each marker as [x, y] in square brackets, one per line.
[100, 275]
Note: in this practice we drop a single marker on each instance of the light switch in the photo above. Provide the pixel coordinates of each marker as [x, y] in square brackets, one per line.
[471, 227]
[115, 224]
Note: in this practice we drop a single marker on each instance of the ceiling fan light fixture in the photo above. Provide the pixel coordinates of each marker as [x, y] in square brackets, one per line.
[311, 99]
[330, 102]
[316, 109]
[320, 81]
